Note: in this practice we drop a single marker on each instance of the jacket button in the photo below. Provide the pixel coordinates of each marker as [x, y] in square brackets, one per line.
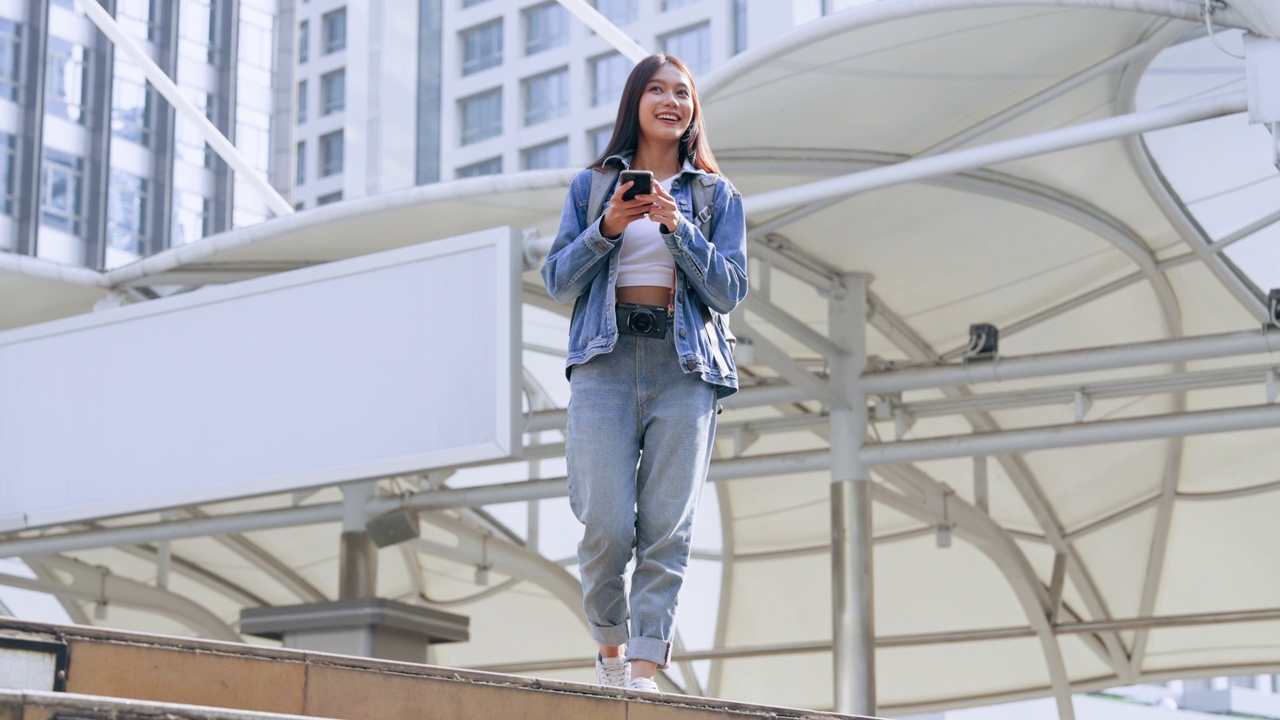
[691, 364]
[682, 333]
[681, 297]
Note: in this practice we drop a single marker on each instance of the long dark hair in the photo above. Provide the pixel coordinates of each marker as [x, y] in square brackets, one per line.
[626, 128]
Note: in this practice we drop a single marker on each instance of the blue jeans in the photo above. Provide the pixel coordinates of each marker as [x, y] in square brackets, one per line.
[638, 445]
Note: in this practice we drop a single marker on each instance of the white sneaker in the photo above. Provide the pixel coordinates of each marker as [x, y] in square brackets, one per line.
[613, 671]
[642, 683]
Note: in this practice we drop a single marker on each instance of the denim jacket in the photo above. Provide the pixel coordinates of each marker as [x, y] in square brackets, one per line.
[583, 266]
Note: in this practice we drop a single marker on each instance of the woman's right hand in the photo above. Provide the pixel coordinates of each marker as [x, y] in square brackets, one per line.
[622, 213]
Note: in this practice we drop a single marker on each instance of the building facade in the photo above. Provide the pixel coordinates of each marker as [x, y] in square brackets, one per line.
[329, 99]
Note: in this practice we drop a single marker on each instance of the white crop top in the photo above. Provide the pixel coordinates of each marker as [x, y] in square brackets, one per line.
[644, 258]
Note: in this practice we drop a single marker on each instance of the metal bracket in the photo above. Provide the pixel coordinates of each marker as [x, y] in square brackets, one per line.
[1082, 404]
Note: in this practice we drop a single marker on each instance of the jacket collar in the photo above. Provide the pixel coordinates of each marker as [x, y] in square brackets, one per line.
[623, 160]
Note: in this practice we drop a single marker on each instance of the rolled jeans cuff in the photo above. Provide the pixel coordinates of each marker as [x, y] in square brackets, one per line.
[611, 635]
[655, 651]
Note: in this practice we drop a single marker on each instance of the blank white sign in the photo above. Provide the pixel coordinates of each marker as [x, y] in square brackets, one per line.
[387, 363]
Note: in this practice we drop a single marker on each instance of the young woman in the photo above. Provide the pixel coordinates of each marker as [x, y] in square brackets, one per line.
[642, 411]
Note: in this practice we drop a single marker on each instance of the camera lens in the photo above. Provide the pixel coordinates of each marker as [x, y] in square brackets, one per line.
[640, 322]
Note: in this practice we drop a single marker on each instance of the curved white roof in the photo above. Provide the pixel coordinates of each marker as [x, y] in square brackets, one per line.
[1081, 567]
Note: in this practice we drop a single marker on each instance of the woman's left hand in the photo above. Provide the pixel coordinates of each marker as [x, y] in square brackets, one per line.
[665, 210]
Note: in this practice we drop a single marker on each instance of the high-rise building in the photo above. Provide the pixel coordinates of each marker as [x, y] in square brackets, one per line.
[97, 169]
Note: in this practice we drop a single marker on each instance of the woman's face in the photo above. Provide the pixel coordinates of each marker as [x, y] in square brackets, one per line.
[666, 107]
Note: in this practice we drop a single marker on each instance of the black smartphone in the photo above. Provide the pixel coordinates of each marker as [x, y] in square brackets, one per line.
[642, 183]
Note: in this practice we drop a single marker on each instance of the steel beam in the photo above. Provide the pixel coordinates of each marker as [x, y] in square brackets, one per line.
[1074, 361]
[1059, 436]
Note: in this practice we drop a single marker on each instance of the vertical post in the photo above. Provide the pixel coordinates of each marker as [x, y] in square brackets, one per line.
[853, 631]
[358, 559]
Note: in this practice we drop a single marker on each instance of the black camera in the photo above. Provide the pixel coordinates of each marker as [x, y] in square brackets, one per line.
[643, 320]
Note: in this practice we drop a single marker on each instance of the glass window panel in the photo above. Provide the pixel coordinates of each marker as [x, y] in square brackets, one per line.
[546, 96]
[333, 91]
[335, 30]
[599, 139]
[65, 86]
[619, 12]
[492, 166]
[331, 146]
[673, 4]
[469, 3]
[482, 47]
[8, 162]
[482, 116]
[302, 101]
[549, 155]
[190, 217]
[126, 212]
[301, 164]
[608, 76]
[545, 26]
[257, 31]
[692, 46]
[330, 198]
[304, 41]
[10, 57]
[61, 182]
[131, 103]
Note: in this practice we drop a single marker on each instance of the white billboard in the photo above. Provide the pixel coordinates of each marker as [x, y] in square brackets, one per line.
[383, 364]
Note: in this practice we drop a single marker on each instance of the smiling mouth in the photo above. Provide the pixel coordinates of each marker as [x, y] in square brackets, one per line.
[666, 117]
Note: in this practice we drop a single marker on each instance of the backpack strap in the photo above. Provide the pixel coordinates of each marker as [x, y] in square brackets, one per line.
[703, 191]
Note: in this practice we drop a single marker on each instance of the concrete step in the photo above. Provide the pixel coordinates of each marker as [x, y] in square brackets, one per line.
[104, 663]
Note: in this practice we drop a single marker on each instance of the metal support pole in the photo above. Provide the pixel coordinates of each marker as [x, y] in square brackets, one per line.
[358, 560]
[853, 629]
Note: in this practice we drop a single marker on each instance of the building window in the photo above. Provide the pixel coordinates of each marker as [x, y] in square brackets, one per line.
[302, 101]
[190, 146]
[190, 217]
[482, 116]
[333, 91]
[554, 154]
[138, 13]
[673, 4]
[61, 181]
[331, 154]
[546, 96]
[127, 212]
[545, 26]
[492, 166]
[304, 39]
[300, 163]
[692, 46]
[598, 139]
[330, 198]
[482, 47]
[469, 3]
[8, 161]
[10, 56]
[65, 86]
[131, 103]
[608, 76]
[335, 30]
[619, 12]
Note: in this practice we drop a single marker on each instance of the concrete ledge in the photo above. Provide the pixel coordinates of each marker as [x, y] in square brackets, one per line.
[32, 705]
[162, 669]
